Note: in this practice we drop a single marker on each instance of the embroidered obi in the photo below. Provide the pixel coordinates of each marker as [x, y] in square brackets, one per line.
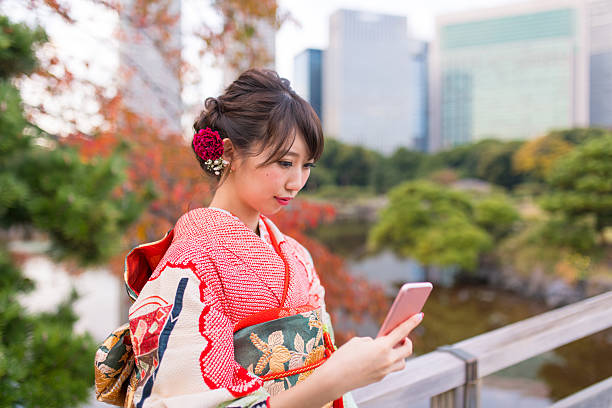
[217, 319]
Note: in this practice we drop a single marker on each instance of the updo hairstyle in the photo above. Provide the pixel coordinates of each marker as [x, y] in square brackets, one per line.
[260, 110]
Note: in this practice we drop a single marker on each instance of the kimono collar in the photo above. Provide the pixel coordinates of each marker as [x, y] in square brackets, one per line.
[268, 231]
[142, 260]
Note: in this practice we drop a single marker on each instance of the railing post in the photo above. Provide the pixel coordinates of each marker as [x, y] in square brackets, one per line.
[449, 399]
[471, 388]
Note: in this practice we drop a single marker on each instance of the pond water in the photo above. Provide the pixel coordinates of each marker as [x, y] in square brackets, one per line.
[457, 311]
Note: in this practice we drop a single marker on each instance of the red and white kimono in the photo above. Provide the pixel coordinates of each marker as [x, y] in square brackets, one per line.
[214, 273]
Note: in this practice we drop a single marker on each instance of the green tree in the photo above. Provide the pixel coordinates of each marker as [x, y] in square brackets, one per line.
[431, 224]
[495, 164]
[354, 165]
[345, 165]
[581, 183]
[80, 207]
[402, 165]
[536, 157]
[496, 214]
[489, 160]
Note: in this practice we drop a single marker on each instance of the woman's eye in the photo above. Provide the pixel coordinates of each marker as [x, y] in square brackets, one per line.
[311, 165]
[285, 163]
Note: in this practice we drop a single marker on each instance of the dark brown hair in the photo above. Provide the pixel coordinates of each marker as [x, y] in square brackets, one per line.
[260, 110]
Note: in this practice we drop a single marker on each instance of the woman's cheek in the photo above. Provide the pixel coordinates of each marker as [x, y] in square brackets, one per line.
[272, 174]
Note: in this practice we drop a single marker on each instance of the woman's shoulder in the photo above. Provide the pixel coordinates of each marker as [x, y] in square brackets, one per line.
[204, 226]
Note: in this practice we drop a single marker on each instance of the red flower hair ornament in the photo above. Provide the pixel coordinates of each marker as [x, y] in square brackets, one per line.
[209, 147]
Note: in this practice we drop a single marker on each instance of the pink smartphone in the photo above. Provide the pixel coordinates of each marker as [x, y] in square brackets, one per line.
[409, 301]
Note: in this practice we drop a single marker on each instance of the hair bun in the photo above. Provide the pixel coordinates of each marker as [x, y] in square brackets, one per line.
[213, 104]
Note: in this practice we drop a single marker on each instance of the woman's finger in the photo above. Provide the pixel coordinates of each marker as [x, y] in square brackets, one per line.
[403, 330]
[398, 366]
[403, 351]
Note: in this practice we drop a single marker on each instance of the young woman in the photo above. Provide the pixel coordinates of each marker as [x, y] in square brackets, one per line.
[229, 311]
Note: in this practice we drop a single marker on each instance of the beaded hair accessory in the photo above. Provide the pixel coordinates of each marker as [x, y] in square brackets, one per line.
[208, 145]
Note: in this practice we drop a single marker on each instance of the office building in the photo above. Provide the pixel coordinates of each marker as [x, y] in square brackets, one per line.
[308, 77]
[150, 64]
[600, 62]
[518, 71]
[374, 78]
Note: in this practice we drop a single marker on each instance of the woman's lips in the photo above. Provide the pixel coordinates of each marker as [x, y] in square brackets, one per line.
[283, 200]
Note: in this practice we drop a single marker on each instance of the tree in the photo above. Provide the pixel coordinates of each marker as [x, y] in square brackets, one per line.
[495, 164]
[536, 157]
[488, 159]
[406, 162]
[581, 183]
[163, 162]
[496, 215]
[431, 224]
[241, 36]
[79, 206]
[402, 165]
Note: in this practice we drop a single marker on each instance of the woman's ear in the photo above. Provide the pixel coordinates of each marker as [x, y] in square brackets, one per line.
[229, 152]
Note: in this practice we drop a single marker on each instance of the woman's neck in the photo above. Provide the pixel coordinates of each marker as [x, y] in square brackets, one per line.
[247, 215]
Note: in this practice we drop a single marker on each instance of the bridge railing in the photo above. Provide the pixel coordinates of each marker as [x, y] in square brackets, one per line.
[451, 376]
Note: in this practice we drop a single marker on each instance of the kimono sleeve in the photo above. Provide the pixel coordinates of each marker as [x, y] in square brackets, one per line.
[183, 340]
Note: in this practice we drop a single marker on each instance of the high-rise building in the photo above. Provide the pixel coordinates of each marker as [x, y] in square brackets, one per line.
[600, 60]
[150, 63]
[308, 77]
[373, 82]
[515, 72]
[419, 92]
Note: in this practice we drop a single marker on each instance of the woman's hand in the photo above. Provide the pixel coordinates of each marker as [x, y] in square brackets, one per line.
[363, 360]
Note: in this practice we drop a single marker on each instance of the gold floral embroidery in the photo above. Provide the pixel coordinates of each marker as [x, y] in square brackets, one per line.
[315, 355]
[305, 348]
[319, 325]
[274, 353]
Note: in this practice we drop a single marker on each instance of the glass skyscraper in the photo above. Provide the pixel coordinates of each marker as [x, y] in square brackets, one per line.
[150, 81]
[374, 82]
[308, 77]
[600, 72]
[515, 72]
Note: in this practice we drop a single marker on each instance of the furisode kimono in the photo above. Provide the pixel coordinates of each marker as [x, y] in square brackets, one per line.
[223, 317]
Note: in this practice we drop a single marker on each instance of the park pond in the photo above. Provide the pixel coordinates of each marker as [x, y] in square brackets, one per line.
[461, 308]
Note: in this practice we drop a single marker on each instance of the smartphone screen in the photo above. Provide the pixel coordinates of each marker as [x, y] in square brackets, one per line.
[408, 302]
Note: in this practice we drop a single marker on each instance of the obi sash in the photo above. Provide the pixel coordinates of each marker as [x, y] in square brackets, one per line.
[287, 348]
[282, 346]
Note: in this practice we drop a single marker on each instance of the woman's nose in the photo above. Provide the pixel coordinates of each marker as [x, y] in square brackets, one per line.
[294, 183]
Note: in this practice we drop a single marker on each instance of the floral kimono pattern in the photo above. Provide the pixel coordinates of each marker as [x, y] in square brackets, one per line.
[201, 328]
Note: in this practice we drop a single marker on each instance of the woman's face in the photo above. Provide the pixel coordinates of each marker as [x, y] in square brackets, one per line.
[269, 188]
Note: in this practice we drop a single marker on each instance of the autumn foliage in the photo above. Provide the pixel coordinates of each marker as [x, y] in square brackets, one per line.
[161, 162]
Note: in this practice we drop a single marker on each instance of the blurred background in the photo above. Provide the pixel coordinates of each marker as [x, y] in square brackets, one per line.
[467, 143]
